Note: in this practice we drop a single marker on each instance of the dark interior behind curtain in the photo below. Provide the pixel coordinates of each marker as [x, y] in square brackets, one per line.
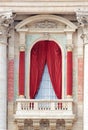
[45, 52]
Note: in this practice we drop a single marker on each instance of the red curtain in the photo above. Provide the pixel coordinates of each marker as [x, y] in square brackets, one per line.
[54, 62]
[69, 73]
[21, 72]
[46, 52]
[37, 63]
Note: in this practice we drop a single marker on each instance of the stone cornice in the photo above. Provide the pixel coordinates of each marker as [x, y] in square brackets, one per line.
[43, 6]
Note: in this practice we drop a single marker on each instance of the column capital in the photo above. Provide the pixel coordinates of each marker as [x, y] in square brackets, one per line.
[69, 47]
[22, 47]
[6, 20]
[84, 36]
[82, 17]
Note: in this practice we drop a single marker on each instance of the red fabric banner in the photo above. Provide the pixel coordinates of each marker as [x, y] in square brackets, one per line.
[21, 72]
[46, 52]
[69, 73]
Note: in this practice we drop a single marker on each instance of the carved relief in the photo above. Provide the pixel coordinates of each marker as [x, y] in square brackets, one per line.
[44, 26]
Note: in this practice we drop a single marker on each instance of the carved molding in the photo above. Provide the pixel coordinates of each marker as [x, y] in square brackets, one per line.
[45, 26]
[69, 47]
[45, 23]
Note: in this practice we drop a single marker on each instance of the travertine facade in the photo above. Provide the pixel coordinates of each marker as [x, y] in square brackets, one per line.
[22, 24]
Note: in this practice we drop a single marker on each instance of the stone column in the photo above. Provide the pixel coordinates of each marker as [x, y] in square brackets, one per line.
[5, 19]
[82, 17]
[69, 65]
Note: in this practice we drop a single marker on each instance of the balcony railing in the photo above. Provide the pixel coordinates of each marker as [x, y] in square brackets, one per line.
[45, 109]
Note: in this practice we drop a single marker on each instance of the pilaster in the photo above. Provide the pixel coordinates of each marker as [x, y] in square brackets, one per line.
[82, 17]
[5, 21]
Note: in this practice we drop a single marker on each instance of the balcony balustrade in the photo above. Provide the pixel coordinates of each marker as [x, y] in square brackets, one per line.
[44, 109]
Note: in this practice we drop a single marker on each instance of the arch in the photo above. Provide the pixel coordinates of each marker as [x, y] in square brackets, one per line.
[63, 62]
[39, 18]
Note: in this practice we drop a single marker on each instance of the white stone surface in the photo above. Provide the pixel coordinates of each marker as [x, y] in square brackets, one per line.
[3, 86]
[85, 125]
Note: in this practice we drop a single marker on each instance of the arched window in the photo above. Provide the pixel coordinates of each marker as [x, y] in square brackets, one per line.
[46, 54]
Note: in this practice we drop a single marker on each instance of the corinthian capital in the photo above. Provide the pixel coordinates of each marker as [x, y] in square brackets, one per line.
[82, 17]
[6, 18]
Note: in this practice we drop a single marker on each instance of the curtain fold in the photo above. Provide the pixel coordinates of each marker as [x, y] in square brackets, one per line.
[37, 63]
[54, 62]
[46, 52]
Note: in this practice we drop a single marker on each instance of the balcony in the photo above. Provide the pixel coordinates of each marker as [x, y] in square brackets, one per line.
[44, 109]
[49, 112]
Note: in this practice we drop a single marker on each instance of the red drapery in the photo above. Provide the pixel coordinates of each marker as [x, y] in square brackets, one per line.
[38, 60]
[46, 52]
[21, 72]
[69, 73]
[54, 62]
